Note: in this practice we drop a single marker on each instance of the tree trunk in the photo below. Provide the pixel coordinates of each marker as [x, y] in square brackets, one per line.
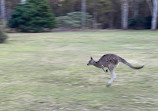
[83, 9]
[124, 14]
[135, 8]
[150, 5]
[154, 15]
[111, 15]
[22, 1]
[3, 11]
[95, 14]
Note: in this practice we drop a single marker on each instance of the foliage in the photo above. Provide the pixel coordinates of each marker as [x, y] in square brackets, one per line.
[140, 22]
[73, 20]
[67, 6]
[3, 36]
[33, 16]
[148, 22]
[106, 12]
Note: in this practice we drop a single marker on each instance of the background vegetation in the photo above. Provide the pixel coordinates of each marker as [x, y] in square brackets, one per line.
[3, 36]
[137, 14]
[32, 16]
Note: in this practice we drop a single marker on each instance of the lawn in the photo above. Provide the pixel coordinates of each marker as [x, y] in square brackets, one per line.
[48, 71]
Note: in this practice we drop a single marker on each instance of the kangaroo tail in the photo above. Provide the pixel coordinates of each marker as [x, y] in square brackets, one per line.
[131, 66]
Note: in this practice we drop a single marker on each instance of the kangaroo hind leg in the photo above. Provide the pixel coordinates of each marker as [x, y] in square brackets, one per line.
[113, 76]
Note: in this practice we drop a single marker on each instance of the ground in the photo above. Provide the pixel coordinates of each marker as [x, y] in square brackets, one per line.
[48, 71]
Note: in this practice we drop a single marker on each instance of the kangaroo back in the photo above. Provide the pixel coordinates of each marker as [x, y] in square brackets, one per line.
[127, 63]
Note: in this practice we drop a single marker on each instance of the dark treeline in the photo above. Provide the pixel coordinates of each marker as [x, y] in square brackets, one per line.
[134, 14]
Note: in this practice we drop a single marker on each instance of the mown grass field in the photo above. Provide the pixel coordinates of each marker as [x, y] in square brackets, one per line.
[48, 71]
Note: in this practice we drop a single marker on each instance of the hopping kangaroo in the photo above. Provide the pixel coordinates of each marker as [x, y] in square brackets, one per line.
[110, 61]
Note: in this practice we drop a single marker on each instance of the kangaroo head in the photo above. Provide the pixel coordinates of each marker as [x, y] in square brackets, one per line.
[91, 61]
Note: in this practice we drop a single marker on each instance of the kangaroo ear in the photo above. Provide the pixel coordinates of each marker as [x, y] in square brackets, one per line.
[91, 58]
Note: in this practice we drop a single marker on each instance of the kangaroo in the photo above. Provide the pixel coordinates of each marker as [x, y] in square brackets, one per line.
[110, 61]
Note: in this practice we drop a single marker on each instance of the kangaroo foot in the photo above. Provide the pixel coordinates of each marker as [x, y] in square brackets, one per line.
[108, 85]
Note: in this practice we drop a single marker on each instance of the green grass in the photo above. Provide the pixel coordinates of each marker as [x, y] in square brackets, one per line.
[48, 72]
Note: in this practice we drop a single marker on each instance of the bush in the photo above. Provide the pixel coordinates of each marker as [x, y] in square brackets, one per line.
[140, 22]
[32, 16]
[73, 20]
[3, 36]
[148, 22]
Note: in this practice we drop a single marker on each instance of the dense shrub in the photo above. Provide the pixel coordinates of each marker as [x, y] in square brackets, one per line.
[3, 36]
[32, 16]
[73, 20]
[140, 22]
[148, 22]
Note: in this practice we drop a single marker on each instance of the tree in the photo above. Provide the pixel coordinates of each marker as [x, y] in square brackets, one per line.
[83, 9]
[73, 20]
[153, 7]
[150, 5]
[3, 11]
[124, 13]
[33, 16]
[154, 15]
[22, 1]
[10, 5]
[95, 14]
[106, 13]
[135, 8]
[3, 36]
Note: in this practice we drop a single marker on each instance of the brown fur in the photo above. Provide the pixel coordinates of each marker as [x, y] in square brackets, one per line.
[110, 61]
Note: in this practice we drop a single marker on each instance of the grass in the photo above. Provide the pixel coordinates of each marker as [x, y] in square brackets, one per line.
[48, 72]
